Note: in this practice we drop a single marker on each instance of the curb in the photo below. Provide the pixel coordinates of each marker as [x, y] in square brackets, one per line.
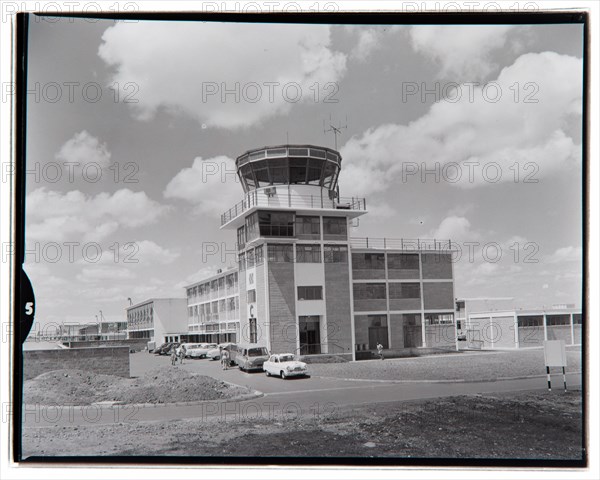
[459, 380]
[239, 398]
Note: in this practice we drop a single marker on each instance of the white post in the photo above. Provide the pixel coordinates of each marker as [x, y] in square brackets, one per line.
[572, 330]
[545, 327]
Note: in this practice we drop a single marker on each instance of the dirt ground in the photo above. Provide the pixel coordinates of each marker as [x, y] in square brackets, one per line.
[527, 425]
[159, 385]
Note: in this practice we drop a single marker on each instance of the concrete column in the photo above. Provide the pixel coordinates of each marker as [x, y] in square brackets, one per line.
[423, 340]
[516, 327]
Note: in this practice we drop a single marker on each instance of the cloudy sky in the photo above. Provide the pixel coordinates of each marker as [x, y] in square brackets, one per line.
[469, 133]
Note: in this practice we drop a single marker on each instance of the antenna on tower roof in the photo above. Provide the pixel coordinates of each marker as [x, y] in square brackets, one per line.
[336, 130]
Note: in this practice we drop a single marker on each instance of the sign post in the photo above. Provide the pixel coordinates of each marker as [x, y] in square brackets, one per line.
[555, 355]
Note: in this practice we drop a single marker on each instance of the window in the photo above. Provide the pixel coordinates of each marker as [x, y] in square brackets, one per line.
[336, 254]
[280, 253]
[377, 320]
[531, 321]
[253, 330]
[335, 228]
[404, 290]
[252, 296]
[369, 291]
[439, 318]
[308, 253]
[242, 261]
[403, 261]
[552, 320]
[368, 261]
[221, 283]
[241, 237]
[310, 293]
[577, 319]
[259, 255]
[251, 227]
[250, 258]
[276, 224]
[308, 226]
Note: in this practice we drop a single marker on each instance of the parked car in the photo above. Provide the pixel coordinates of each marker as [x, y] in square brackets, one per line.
[215, 353]
[284, 365]
[165, 348]
[190, 349]
[157, 350]
[250, 358]
[201, 350]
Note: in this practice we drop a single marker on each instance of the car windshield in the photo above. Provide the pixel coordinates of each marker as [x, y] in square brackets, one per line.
[257, 352]
[286, 358]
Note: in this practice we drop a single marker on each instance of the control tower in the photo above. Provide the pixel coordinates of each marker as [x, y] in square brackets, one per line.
[295, 281]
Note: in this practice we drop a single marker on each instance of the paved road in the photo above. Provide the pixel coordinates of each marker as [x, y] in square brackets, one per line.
[282, 398]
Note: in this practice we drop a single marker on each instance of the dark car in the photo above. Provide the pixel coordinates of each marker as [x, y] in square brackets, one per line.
[158, 350]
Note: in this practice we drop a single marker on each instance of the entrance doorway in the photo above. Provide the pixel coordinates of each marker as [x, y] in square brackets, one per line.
[378, 335]
[310, 335]
[378, 331]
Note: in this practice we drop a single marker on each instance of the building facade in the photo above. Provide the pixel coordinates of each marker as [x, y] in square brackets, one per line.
[307, 287]
[158, 320]
[213, 308]
[506, 327]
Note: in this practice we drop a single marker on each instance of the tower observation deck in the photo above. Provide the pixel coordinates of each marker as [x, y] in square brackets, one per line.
[291, 177]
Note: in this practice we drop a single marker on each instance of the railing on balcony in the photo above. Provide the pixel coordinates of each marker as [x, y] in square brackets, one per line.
[290, 200]
[402, 243]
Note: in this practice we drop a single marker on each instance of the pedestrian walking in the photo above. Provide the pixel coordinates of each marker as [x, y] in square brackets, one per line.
[225, 359]
[380, 350]
[173, 355]
[182, 353]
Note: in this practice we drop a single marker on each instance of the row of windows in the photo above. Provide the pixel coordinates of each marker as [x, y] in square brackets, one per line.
[308, 253]
[376, 261]
[377, 291]
[413, 319]
[251, 258]
[217, 286]
[551, 320]
[287, 224]
[231, 304]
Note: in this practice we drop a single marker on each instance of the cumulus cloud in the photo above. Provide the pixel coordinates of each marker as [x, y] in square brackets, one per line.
[566, 254]
[211, 185]
[478, 138]
[463, 52]
[456, 229]
[368, 39]
[187, 67]
[73, 216]
[84, 148]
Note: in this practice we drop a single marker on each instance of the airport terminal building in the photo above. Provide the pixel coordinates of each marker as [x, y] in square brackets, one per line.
[303, 285]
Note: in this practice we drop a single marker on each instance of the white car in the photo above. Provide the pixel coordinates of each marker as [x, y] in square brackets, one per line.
[284, 365]
[200, 350]
[215, 353]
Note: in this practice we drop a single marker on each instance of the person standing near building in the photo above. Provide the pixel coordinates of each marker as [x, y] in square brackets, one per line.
[380, 350]
[173, 355]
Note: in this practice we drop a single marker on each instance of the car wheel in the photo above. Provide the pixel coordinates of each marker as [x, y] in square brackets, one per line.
[267, 373]
[283, 375]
